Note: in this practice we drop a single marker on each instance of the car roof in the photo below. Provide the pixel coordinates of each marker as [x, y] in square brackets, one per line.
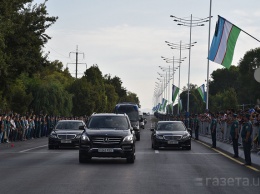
[108, 114]
[70, 121]
[170, 122]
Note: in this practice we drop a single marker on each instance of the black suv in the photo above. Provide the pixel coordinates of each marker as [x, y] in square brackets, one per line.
[107, 135]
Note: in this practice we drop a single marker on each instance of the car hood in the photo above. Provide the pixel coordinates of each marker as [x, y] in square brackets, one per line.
[107, 132]
[61, 131]
[171, 132]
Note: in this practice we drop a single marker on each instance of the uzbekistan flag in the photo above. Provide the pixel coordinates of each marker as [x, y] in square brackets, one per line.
[224, 42]
[202, 92]
[164, 104]
[175, 91]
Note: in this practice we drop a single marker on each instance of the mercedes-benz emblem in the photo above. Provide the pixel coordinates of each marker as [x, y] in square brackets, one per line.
[106, 139]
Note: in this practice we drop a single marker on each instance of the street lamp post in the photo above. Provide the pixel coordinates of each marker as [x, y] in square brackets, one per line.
[190, 23]
[180, 47]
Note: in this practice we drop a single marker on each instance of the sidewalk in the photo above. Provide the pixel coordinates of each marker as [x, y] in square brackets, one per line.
[255, 158]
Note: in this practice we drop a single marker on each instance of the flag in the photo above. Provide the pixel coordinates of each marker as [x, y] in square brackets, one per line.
[158, 107]
[224, 42]
[202, 92]
[164, 104]
[175, 91]
[180, 105]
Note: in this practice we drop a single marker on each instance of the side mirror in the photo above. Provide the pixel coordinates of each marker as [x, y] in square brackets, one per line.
[189, 130]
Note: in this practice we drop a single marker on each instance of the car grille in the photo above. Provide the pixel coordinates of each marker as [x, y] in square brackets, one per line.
[106, 140]
[66, 136]
[172, 137]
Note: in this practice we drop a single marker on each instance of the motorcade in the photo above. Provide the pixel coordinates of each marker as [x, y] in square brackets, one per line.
[107, 135]
[167, 134]
[66, 133]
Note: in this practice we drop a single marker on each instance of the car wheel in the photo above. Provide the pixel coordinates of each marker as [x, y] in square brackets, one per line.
[138, 137]
[186, 148]
[83, 158]
[131, 159]
[155, 147]
[51, 147]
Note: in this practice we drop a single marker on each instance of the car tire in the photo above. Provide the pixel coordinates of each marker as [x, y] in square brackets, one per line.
[83, 158]
[154, 147]
[138, 137]
[51, 147]
[130, 159]
[187, 148]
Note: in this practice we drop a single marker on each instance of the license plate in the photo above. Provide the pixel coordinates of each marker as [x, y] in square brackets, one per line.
[65, 141]
[172, 142]
[105, 150]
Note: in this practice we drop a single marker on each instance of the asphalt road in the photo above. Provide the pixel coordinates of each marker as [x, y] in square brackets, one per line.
[29, 167]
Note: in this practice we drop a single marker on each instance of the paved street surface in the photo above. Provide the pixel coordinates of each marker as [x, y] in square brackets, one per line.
[29, 167]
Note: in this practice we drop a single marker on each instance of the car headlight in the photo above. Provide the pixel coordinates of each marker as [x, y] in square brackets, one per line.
[78, 136]
[186, 136]
[128, 138]
[53, 135]
[159, 137]
[84, 138]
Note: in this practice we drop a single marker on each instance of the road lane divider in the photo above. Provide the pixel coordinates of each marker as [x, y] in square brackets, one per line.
[227, 156]
[32, 148]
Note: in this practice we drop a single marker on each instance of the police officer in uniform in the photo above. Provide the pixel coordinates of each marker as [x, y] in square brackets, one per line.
[213, 127]
[234, 134]
[246, 138]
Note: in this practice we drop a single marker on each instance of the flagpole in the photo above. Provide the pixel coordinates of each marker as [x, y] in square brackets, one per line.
[240, 29]
[207, 103]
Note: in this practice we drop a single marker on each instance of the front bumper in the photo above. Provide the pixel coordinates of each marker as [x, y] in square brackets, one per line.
[61, 142]
[167, 143]
[124, 151]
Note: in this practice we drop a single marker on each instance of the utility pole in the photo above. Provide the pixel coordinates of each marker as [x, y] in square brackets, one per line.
[77, 53]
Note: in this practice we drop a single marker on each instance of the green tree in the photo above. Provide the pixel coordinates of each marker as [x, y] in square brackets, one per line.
[224, 100]
[18, 99]
[222, 79]
[111, 97]
[250, 88]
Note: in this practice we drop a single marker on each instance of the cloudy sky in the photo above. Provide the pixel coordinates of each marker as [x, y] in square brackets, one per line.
[126, 38]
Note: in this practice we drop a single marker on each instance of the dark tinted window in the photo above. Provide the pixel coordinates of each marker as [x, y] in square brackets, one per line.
[130, 110]
[70, 125]
[170, 126]
[113, 122]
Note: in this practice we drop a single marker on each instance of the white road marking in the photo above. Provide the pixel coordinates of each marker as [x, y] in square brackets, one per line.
[156, 151]
[32, 148]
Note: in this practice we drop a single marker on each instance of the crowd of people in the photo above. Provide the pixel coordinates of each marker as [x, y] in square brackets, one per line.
[239, 128]
[15, 127]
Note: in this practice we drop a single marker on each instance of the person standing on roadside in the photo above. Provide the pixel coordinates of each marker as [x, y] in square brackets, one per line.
[2, 128]
[213, 127]
[246, 138]
[234, 133]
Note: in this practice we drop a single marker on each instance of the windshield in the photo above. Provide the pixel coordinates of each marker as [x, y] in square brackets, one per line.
[170, 126]
[108, 122]
[69, 125]
[130, 110]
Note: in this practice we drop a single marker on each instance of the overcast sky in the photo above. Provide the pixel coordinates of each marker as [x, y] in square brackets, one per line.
[126, 38]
